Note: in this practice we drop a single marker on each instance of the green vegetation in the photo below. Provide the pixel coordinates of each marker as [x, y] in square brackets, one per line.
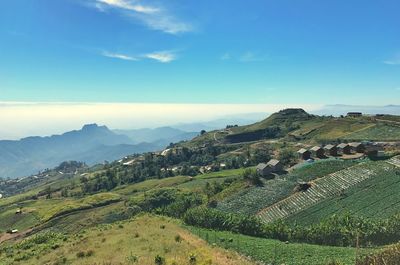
[337, 230]
[254, 198]
[376, 198]
[379, 132]
[277, 252]
[104, 214]
[389, 255]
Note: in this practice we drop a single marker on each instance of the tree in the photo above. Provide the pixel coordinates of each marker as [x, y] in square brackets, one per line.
[250, 174]
[287, 157]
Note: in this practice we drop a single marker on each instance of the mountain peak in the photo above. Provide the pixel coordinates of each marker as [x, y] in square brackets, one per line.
[92, 127]
[292, 111]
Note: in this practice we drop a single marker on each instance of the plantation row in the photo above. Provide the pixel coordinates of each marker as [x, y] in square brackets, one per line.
[321, 189]
[375, 198]
[253, 199]
[395, 161]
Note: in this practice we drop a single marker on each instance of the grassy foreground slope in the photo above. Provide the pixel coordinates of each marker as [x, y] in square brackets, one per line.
[136, 241]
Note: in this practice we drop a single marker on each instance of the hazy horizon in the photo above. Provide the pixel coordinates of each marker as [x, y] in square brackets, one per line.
[26, 119]
[23, 119]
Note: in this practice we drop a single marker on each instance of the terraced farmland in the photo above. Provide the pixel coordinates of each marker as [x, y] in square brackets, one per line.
[374, 198]
[395, 161]
[381, 132]
[253, 199]
[323, 188]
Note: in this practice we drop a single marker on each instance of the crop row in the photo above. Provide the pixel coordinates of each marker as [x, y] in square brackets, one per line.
[328, 186]
[395, 161]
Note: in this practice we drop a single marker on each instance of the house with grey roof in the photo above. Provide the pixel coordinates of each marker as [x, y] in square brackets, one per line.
[330, 149]
[357, 147]
[304, 154]
[266, 169]
[317, 151]
[344, 148]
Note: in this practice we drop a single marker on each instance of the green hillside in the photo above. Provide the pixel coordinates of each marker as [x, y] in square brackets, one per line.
[298, 125]
[84, 215]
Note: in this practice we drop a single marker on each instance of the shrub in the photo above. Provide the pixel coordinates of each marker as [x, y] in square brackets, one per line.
[159, 260]
[192, 259]
[178, 238]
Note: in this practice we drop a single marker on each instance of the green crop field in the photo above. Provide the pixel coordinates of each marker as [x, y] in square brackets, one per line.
[322, 188]
[271, 251]
[376, 197]
[252, 199]
[379, 132]
[151, 184]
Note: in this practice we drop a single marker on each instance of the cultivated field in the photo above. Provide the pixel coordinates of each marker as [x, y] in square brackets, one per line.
[252, 199]
[376, 197]
[379, 132]
[323, 188]
[277, 252]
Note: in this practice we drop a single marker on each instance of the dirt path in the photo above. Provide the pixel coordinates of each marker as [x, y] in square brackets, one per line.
[6, 236]
[389, 121]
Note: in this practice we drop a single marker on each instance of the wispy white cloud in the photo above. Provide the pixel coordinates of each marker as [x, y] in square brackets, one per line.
[159, 56]
[128, 5]
[154, 17]
[162, 56]
[119, 56]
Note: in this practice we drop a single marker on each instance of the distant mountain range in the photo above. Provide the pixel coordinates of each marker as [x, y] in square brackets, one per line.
[158, 135]
[92, 144]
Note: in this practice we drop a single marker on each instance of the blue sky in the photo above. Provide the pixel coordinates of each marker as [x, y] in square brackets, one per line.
[225, 51]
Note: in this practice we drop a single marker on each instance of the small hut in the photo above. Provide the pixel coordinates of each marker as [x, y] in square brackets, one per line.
[317, 151]
[304, 154]
[357, 147]
[354, 114]
[330, 149]
[344, 148]
[275, 165]
[267, 169]
[263, 170]
[372, 150]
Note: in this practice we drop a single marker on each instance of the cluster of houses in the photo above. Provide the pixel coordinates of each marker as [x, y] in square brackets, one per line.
[340, 149]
